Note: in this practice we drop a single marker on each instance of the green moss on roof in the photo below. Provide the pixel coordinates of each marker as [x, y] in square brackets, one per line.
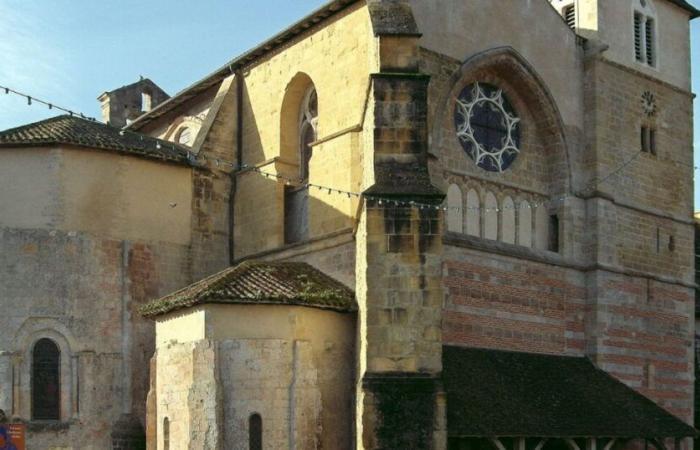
[256, 282]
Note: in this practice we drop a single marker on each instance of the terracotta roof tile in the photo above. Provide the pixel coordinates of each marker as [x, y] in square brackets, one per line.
[73, 130]
[254, 282]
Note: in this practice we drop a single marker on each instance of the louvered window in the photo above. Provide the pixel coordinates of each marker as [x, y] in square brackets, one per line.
[638, 19]
[649, 41]
[570, 16]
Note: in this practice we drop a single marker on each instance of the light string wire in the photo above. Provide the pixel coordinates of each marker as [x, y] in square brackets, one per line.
[31, 99]
[192, 157]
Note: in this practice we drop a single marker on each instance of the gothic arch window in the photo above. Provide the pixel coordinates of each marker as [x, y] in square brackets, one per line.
[308, 122]
[255, 432]
[296, 198]
[454, 209]
[508, 221]
[46, 380]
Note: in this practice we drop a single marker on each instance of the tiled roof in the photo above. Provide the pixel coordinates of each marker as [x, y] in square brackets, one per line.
[499, 393]
[688, 7]
[255, 282]
[73, 130]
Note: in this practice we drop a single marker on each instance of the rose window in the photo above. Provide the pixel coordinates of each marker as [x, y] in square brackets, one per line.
[487, 127]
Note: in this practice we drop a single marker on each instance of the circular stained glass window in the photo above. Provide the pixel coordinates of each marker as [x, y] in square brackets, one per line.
[487, 127]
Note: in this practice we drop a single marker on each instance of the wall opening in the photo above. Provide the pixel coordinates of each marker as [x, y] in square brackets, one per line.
[146, 101]
[553, 244]
[648, 139]
[45, 380]
[255, 430]
[166, 434]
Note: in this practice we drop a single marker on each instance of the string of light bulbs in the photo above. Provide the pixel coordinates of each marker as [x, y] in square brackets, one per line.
[51, 105]
[192, 157]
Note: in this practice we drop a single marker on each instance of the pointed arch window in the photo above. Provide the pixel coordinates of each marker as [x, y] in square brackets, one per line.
[308, 122]
[296, 209]
[45, 380]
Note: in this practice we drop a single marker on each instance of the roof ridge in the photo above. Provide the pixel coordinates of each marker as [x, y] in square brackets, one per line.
[34, 124]
[255, 281]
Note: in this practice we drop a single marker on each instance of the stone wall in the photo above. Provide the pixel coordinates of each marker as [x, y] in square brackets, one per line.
[293, 366]
[83, 288]
[342, 95]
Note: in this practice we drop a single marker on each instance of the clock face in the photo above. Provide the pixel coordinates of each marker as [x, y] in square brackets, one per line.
[487, 127]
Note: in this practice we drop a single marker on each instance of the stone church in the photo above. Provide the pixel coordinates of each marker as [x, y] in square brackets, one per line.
[397, 224]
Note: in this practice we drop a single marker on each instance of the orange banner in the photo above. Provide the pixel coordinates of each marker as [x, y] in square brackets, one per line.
[12, 436]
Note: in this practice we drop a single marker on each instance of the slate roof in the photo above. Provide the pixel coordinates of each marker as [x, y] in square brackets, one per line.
[509, 394]
[257, 282]
[81, 132]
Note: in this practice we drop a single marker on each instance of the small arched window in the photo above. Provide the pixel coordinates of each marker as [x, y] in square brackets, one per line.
[45, 380]
[184, 136]
[255, 431]
[166, 434]
[146, 101]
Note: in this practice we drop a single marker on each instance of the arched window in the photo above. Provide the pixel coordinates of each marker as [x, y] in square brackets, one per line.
[184, 136]
[45, 380]
[166, 434]
[296, 199]
[146, 101]
[308, 121]
[454, 209]
[255, 430]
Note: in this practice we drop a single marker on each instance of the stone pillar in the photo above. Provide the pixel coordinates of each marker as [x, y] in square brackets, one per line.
[399, 253]
[6, 382]
[152, 407]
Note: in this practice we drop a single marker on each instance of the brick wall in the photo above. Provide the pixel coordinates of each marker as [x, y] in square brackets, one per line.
[512, 304]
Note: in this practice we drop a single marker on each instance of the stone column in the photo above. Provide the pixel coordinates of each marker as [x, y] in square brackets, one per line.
[399, 252]
[6, 382]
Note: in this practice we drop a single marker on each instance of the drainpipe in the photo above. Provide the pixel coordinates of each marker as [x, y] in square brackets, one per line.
[126, 330]
[239, 162]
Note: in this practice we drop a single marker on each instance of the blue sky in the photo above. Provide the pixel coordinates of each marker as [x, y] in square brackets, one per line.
[70, 51]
